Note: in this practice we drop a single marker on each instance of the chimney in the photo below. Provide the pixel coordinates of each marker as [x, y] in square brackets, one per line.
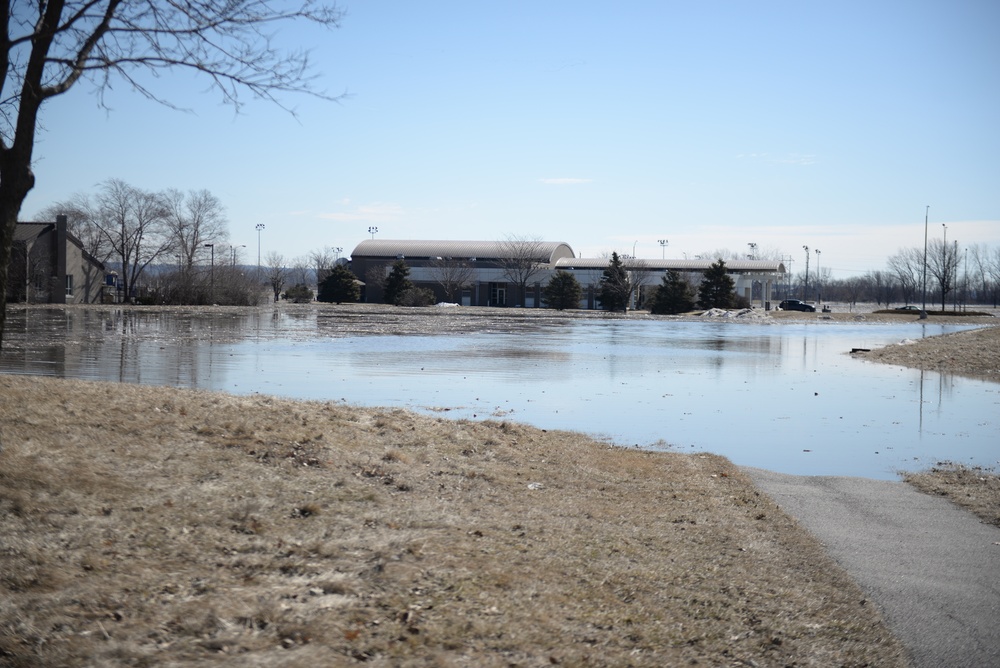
[59, 256]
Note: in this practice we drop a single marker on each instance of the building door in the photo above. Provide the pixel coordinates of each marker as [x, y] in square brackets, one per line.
[498, 294]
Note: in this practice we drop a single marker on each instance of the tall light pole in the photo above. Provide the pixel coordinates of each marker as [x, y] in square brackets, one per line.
[373, 231]
[233, 248]
[923, 310]
[819, 295]
[805, 286]
[965, 281]
[260, 228]
[211, 296]
[336, 252]
[945, 272]
[753, 250]
[955, 281]
[663, 248]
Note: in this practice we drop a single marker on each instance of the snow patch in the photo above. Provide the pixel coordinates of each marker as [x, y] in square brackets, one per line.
[741, 314]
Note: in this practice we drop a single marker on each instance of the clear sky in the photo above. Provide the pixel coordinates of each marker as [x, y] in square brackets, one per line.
[609, 126]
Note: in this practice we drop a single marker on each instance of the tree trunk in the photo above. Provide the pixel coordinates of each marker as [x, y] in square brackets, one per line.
[14, 186]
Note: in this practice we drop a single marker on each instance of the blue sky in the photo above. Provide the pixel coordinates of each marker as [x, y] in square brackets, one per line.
[609, 126]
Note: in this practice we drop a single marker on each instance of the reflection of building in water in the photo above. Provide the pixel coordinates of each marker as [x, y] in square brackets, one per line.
[48, 265]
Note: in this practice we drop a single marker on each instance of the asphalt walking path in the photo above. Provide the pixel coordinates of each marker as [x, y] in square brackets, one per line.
[931, 567]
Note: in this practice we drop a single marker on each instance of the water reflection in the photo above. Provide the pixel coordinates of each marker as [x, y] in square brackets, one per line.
[784, 397]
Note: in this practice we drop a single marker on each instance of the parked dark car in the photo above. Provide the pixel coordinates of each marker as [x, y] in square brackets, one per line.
[796, 305]
[907, 308]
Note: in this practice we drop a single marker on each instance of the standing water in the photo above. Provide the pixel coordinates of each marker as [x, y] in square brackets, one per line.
[787, 398]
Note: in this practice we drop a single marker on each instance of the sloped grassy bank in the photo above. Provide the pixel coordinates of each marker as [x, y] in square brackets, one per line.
[157, 526]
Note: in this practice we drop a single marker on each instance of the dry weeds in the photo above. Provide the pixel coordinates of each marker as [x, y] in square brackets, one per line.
[155, 526]
[974, 353]
[974, 488]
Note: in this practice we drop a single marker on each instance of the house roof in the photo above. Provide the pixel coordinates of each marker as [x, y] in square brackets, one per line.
[738, 266]
[31, 231]
[548, 251]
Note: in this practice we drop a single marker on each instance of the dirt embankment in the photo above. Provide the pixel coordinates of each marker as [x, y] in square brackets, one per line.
[974, 353]
[152, 526]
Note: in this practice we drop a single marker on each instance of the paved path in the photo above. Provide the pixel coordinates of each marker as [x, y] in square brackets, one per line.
[933, 568]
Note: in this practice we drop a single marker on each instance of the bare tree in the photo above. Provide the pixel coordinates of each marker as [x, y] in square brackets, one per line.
[907, 266]
[639, 275]
[275, 272]
[301, 270]
[942, 265]
[49, 47]
[80, 222]
[854, 286]
[375, 279]
[452, 275]
[134, 224]
[522, 259]
[323, 261]
[195, 219]
[979, 271]
[881, 286]
[994, 269]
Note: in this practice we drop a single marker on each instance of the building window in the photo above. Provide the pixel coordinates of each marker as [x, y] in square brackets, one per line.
[69, 285]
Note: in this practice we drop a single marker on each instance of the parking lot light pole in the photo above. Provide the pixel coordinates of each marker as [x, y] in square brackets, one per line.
[805, 286]
[819, 295]
[260, 226]
[923, 309]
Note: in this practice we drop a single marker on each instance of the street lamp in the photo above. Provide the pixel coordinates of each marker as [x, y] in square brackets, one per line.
[212, 294]
[819, 296]
[260, 227]
[663, 248]
[373, 231]
[805, 286]
[337, 251]
[753, 250]
[923, 310]
[945, 273]
[233, 250]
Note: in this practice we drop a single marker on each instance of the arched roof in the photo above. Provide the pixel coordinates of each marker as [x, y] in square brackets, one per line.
[733, 266]
[547, 251]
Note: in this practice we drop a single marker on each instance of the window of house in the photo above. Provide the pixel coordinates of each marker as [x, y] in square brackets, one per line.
[69, 285]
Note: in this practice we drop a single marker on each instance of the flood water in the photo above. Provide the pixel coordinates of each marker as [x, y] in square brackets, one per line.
[783, 397]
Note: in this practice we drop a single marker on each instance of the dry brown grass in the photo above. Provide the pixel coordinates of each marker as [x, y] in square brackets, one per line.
[155, 526]
[974, 488]
[973, 353]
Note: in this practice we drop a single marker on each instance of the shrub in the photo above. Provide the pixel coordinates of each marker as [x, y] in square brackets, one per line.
[300, 294]
[417, 297]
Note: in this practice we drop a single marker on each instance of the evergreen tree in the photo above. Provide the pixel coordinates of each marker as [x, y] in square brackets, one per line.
[299, 293]
[672, 296]
[340, 286]
[616, 288]
[397, 283]
[563, 291]
[716, 289]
